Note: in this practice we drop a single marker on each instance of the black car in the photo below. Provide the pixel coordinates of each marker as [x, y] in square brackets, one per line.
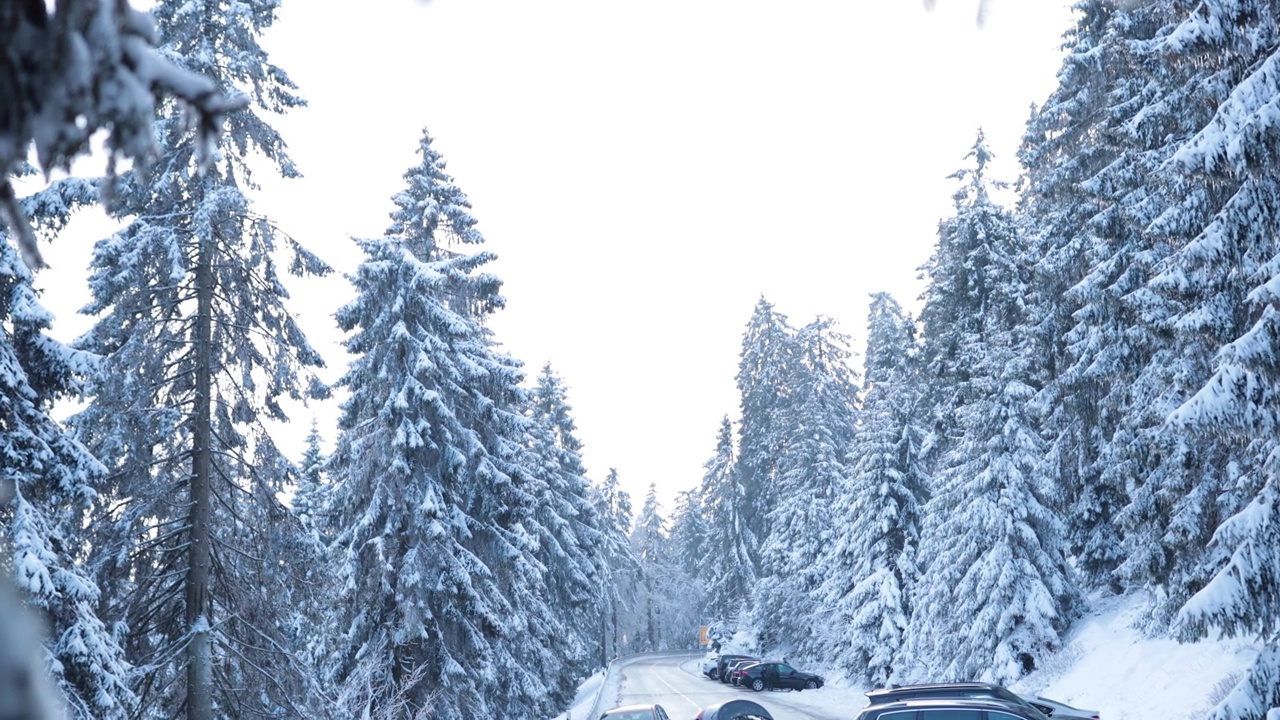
[722, 665]
[950, 690]
[778, 676]
[951, 708]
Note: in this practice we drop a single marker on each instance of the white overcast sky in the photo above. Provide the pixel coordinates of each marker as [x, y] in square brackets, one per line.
[646, 170]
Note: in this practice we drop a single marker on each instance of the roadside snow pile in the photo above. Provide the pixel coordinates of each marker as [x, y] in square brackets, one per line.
[1110, 666]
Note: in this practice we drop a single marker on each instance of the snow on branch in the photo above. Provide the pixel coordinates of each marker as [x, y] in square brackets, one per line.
[80, 67]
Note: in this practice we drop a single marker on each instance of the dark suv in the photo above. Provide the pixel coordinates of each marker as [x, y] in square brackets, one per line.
[951, 708]
[951, 690]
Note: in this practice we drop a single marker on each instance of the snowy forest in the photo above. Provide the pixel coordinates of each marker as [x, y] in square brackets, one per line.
[1087, 401]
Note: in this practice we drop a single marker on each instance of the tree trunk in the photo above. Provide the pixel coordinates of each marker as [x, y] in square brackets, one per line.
[200, 649]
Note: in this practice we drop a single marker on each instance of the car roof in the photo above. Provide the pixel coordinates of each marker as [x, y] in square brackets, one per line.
[974, 703]
[954, 702]
[935, 686]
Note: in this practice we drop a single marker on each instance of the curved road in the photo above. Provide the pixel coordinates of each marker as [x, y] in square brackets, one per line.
[673, 682]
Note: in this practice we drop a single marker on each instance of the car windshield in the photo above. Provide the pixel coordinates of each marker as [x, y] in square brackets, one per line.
[628, 715]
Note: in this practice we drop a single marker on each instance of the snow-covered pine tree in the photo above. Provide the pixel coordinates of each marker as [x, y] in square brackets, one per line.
[871, 564]
[649, 541]
[689, 541]
[613, 506]
[1235, 252]
[47, 482]
[199, 348]
[816, 428]
[439, 586]
[309, 495]
[571, 548]
[1215, 239]
[726, 566]
[1085, 197]
[767, 355]
[997, 591]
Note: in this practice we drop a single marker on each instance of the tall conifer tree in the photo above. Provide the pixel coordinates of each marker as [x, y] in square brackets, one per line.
[816, 427]
[432, 512]
[47, 482]
[871, 564]
[726, 566]
[997, 592]
[199, 350]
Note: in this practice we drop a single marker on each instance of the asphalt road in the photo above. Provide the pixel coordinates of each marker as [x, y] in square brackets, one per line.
[673, 682]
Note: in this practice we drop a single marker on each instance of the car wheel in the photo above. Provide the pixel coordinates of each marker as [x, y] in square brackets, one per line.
[810, 684]
[757, 684]
[714, 674]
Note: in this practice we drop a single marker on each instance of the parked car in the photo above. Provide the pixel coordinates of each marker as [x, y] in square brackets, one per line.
[735, 666]
[1060, 711]
[778, 676]
[951, 708]
[722, 665]
[950, 690]
[710, 667]
[636, 712]
[735, 670]
[734, 710]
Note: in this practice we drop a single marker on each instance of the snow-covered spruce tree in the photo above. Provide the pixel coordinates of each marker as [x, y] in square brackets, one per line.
[440, 604]
[689, 542]
[817, 429]
[570, 548]
[726, 567]
[1217, 236]
[613, 506]
[198, 349]
[1235, 253]
[649, 542]
[997, 591]
[309, 496]
[871, 563]
[1086, 200]
[768, 352]
[47, 482]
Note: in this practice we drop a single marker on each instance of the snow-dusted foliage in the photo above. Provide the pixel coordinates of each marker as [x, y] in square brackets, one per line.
[1086, 200]
[441, 603]
[48, 481]
[871, 563]
[613, 506]
[1213, 226]
[815, 429]
[726, 568]
[570, 547]
[996, 591]
[73, 69]
[768, 351]
[689, 543]
[199, 348]
[1227, 279]
[649, 542]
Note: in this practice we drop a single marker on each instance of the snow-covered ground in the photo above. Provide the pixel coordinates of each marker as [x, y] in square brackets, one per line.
[1106, 665]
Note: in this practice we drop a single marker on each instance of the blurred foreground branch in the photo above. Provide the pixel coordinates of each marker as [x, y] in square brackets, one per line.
[75, 69]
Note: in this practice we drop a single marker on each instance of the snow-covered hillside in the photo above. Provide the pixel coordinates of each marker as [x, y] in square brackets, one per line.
[1110, 666]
